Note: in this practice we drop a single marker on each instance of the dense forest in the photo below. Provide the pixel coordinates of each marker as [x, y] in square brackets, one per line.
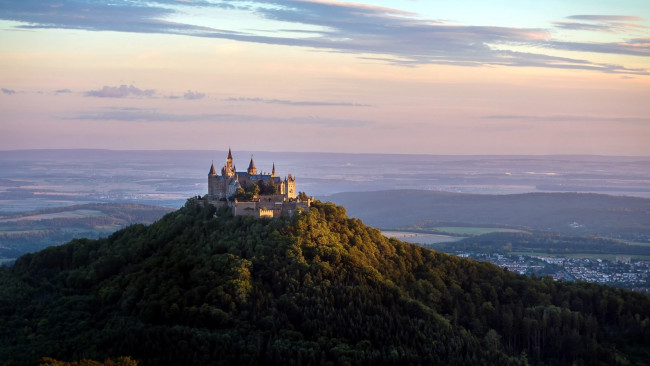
[203, 287]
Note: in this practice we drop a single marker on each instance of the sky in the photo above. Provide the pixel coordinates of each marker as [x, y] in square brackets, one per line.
[409, 76]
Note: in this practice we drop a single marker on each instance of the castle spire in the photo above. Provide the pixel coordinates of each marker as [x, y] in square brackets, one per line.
[273, 171]
[212, 170]
[229, 160]
[228, 170]
[252, 170]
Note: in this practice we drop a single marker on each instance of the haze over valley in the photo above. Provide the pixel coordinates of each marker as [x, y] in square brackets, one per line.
[35, 179]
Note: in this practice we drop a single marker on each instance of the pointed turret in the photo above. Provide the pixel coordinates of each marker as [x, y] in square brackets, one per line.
[212, 170]
[273, 171]
[228, 170]
[252, 170]
[229, 159]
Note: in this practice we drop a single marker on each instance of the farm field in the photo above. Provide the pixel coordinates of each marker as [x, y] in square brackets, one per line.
[461, 230]
[58, 215]
[420, 238]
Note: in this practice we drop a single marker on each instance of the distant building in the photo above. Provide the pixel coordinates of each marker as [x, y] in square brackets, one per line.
[623, 259]
[275, 196]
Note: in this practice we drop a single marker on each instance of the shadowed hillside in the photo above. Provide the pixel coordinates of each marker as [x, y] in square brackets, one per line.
[319, 288]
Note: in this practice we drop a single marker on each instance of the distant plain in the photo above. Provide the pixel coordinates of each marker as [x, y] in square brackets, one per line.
[35, 179]
[426, 199]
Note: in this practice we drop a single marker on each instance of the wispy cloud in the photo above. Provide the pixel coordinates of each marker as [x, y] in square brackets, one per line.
[62, 91]
[584, 26]
[191, 95]
[8, 91]
[372, 32]
[135, 115]
[603, 23]
[122, 91]
[633, 47]
[118, 15]
[297, 103]
[568, 118]
[606, 18]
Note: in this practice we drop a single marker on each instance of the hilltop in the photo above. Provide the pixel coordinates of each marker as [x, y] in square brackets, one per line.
[206, 287]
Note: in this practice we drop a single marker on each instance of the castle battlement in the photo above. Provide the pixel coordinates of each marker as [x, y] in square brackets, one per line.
[250, 193]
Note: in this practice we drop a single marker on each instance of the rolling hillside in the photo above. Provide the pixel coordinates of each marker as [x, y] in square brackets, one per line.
[568, 213]
[203, 287]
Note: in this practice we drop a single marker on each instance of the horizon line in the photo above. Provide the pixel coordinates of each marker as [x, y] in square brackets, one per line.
[325, 152]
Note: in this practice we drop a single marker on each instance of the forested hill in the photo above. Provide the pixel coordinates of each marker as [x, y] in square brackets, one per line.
[195, 289]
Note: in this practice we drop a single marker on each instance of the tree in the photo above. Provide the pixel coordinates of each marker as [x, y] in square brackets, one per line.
[268, 187]
[253, 189]
[240, 194]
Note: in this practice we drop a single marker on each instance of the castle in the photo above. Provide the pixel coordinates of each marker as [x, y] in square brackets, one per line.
[253, 193]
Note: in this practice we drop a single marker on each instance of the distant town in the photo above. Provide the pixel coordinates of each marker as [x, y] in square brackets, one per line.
[622, 272]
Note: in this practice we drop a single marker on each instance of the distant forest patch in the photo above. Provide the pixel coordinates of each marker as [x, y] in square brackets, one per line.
[538, 243]
[575, 214]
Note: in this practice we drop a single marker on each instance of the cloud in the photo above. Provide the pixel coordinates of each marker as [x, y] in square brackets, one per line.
[193, 95]
[8, 91]
[153, 115]
[296, 103]
[609, 24]
[633, 47]
[371, 32]
[606, 17]
[121, 91]
[119, 15]
[568, 118]
[603, 23]
[584, 26]
[62, 91]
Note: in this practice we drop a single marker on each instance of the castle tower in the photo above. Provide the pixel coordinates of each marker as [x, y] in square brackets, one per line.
[228, 170]
[291, 187]
[213, 190]
[288, 187]
[252, 170]
[273, 171]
